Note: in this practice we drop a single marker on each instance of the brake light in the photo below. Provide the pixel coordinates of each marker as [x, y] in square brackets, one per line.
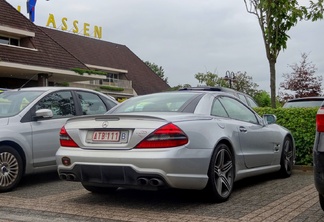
[166, 136]
[320, 120]
[65, 139]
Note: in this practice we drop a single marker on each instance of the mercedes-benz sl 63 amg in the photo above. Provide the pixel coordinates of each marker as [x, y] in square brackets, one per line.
[198, 140]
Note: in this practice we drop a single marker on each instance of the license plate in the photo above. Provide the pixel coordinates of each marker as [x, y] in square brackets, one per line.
[106, 136]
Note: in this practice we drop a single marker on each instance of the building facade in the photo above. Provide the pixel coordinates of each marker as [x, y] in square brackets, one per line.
[31, 55]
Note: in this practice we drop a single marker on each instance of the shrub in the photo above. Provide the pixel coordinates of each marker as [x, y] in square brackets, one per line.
[62, 84]
[112, 88]
[302, 124]
[89, 71]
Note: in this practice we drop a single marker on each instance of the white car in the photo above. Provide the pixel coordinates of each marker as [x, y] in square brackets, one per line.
[306, 102]
[30, 121]
[182, 139]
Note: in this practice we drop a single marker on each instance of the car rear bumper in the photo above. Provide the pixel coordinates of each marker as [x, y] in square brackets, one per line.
[159, 168]
[113, 176]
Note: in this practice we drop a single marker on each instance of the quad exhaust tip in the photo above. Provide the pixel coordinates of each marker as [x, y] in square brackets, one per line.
[68, 177]
[155, 182]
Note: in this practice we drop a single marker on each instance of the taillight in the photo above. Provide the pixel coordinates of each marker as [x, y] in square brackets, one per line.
[166, 136]
[320, 120]
[65, 139]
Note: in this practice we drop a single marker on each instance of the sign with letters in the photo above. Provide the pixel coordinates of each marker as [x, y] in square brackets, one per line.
[85, 27]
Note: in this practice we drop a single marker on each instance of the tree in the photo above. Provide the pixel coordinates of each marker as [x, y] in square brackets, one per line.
[262, 98]
[241, 81]
[158, 70]
[209, 79]
[175, 88]
[316, 10]
[244, 83]
[276, 18]
[301, 82]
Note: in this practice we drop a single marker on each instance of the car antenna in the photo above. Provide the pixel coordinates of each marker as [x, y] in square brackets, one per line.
[27, 82]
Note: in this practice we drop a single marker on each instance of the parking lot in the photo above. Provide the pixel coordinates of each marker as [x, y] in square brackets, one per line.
[266, 198]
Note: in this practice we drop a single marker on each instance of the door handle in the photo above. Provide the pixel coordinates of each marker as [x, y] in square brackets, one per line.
[243, 129]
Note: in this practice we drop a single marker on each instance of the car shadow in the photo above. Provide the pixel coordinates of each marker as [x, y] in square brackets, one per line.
[255, 180]
[41, 185]
[169, 198]
[40, 178]
[50, 183]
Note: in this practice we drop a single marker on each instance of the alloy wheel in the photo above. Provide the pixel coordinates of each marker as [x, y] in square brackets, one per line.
[223, 170]
[287, 158]
[9, 169]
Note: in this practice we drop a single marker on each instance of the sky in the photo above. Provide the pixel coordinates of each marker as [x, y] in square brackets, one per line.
[187, 37]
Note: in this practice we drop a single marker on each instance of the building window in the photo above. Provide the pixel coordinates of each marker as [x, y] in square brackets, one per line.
[14, 42]
[9, 41]
[112, 77]
[4, 40]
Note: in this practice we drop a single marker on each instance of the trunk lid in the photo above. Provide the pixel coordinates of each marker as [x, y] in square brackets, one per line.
[122, 131]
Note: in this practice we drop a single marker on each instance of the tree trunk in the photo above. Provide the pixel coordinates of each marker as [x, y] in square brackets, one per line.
[272, 64]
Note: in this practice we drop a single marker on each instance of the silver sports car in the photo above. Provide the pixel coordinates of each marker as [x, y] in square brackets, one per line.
[183, 139]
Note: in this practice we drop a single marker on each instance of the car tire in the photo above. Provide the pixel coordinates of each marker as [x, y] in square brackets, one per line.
[11, 168]
[321, 200]
[100, 190]
[221, 174]
[287, 160]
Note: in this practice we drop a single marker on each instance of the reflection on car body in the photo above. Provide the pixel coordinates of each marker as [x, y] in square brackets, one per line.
[183, 139]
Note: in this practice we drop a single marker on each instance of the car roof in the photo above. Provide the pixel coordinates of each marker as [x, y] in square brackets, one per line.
[197, 92]
[48, 88]
[54, 88]
[307, 98]
[191, 92]
[248, 99]
[208, 88]
[313, 101]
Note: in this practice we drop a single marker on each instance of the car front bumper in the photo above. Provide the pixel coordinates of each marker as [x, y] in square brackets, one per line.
[137, 168]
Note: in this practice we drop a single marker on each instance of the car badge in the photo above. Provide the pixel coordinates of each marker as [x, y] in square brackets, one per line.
[142, 133]
[105, 124]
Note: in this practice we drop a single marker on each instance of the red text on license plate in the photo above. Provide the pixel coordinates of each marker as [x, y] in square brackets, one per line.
[108, 136]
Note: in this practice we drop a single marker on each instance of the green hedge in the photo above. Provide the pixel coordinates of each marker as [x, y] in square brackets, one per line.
[112, 88]
[302, 124]
[89, 71]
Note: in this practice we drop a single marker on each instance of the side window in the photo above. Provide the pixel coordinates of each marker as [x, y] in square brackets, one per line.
[61, 103]
[252, 102]
[242, 97]
[237, 110]
[91, 103]
[218, 109]
[110, 103]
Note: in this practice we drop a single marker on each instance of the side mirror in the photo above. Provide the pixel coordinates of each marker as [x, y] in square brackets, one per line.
[269, 118]
[43, 113]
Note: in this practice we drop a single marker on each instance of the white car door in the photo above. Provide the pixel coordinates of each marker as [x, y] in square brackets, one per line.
[45, 136]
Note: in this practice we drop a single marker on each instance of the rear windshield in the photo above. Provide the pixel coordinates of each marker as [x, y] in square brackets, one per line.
[303, 103]
[161, 102]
